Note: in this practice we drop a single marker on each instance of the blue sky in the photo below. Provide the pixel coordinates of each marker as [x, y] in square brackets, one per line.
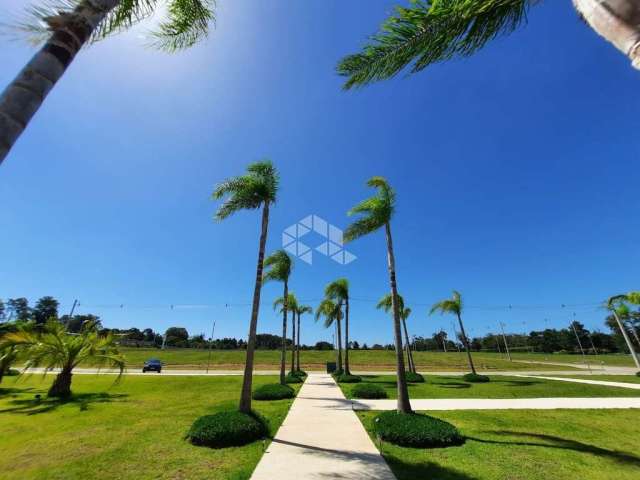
[516, 173]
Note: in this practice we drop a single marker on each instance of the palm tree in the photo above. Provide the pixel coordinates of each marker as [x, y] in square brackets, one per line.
[432, 31]
[386, 304]
[613, 304]
[257, 188]
[302, 309]
[339, 292]
[332, 312]
[292, 306]
[279, 265]
[53, 347]
[454, 306]
[377, 212]
[65, 26]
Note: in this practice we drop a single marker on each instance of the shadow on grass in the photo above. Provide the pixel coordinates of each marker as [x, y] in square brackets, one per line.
[13, 391]
[552, 441]
[517, 383]
[423, 470]
[34, 406]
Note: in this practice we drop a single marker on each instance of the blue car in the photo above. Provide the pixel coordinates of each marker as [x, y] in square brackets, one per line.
[152, 365]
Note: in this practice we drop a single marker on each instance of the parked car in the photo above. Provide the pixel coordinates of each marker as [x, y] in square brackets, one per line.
[152, 365]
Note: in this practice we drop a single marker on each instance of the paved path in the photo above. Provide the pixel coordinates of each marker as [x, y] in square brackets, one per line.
[635, 386]
[501, 404]
[321, 439]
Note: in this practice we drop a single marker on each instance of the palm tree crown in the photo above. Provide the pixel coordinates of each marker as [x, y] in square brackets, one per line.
[292, 303]
[279, 267]
[452, 305]
[330, 310]
[376, 211]
[338, 290]
[386, 305]
[248, 192]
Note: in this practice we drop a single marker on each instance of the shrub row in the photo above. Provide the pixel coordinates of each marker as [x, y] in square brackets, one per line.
[368, 390]
[475, 378]
[227, 429]
[346, 378]
[293, 379]
[414, 377]
[273, 391]
[416, 430]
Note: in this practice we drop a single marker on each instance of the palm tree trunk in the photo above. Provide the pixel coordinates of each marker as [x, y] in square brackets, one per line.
[23, 97]
[404, 405]
[412, 367]
[626, 338]
[293, 342]
[616, 20]
[465, 340]
[339, 333]
[61, 387]
[283, 354]
[247, 380]
[298, 369]
[346, 337]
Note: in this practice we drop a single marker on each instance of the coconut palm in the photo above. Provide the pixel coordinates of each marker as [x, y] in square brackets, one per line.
[332, 313]
[301, 310]
[52, 347]
[339, 292]
[377, 212]
[614, 304]
[63, 27]
[454, 306]
[386, 304]
[256, 189]
[279, 266]
[431, 31]
[292, 306]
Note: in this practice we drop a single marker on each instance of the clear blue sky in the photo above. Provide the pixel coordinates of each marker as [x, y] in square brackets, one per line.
[516, 172]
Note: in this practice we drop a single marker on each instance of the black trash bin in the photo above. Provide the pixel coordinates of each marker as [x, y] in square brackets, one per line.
[331, 367]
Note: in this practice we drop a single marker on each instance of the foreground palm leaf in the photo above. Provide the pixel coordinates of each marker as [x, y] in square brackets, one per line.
[65, 26]
[258, 188]
[431, 31]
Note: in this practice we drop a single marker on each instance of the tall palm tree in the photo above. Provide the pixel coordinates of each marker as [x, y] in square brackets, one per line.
[279, 266]
[332, 313]
[256, 189]
[52, 347]
[302, 309]
[431, 31]
[385, 303]
[65, 26]
[292, 306]
[377, 212]
[338, 291]
[613, 304]
[454, 306]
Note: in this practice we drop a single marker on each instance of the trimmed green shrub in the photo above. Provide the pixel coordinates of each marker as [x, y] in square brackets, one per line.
[344, 378]
[12, 372]
[414, 377]
[298, 373]
[273, 391]
[293, 379]
[337, 373]
[368, 390]
[227, 429]
[637, 374]
[416, 430]
[475, 378]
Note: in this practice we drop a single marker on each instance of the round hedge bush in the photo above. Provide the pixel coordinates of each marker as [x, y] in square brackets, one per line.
[293, 379]
[414, 377]
[227, 429]
[416, 430]
[298, 373]
[337, 373]
[345, 378]
[273, 391]
[637, 374]
[12, 372]
[475, 378]
[368, 390]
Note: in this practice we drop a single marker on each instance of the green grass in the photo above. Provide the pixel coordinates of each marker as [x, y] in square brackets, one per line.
[525, 445]
[133, 430]
[361, 360]
[605, 378]
[613, 360]
[499, 387]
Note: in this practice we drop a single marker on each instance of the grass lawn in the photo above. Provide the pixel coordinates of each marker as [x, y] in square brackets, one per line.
[612, 359]
[606, 378]
[499, 387]
[526, 445]
[363, 360]
[133, 430]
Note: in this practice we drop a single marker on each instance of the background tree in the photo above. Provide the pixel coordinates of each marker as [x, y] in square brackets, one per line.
[332, 313]
[45, 308]
[377, 212]
[454, 307]
[19, 309]
[177, 337]
[292, 306]
[302, 309]
[63, 27]
[74, 324]
[613, 304]
[257, 189]
[322, 345]
[431, 31]
[2, 316]
[338, 291]
[53, 348]
[385, 303]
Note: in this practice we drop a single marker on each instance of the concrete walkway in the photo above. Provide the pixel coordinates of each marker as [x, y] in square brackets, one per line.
[501, 404]
[321, 438]
[634, 386]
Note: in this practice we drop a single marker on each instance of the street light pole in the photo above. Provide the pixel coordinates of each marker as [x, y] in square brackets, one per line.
[506, 345]
[584, 358]
[213, 329]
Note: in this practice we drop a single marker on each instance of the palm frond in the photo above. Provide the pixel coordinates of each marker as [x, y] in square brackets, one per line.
[431, 31]
[278, 266]
[452, 305]
[386, 304]
[376, 210]
[338, 290]
[187, 23]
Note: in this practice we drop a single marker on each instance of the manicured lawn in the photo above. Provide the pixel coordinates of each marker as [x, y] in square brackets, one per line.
[526, 445]
[133, 430]
[363, 360]
[614, 360]
[606, 378]
[499, 387]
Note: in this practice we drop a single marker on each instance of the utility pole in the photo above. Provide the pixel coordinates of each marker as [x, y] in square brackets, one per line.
[595, 350]
[73, 308]
[634, 355]
[213, 329]
[584, 358]
[506, 345]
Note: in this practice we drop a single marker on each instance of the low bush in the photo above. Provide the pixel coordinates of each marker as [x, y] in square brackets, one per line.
[227, 429]
[368, 390]
[293, 379]
[12, 372]
[346, 378]
[298, 373]
[414, 377]
[273, 391]
[337, 373]
[475, 378]
[416, 430]
[637, 374]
